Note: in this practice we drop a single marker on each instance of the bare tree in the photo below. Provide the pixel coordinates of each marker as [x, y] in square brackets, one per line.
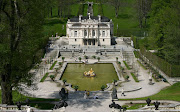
[64, 7]
[143, 7]
[117, 4]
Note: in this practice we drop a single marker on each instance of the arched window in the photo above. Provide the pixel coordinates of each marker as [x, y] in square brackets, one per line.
[93, 33]
[103, 33]
[85, 33]
[75, 33]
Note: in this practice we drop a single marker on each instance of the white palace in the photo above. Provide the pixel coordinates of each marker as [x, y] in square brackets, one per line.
[89, 30]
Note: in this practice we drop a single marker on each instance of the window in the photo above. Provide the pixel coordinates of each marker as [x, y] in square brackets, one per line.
[85, 33]
[93, 33]
[75, 33]
[103, 33]
[75, 40]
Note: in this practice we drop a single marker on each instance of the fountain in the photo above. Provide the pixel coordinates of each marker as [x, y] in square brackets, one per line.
[90, 73]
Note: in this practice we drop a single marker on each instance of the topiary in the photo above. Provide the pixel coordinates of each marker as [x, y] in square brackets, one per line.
[76, 87]
[52, 77]
[64, 81]
[103, 87]
[127, 77]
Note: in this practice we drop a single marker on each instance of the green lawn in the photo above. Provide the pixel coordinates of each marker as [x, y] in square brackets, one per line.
[75, 9]
[141, 65]
[85, 10]
[19, 97]
[169, 93]
[53, 65]
[135, 106]
[134, 77]
[55, 25]
[95, 9]
[42, 106]
[40, 101]
[127, 66]
[44, 77]
[127, 21]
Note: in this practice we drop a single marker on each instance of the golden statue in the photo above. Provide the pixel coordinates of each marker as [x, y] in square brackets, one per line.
[90, 73]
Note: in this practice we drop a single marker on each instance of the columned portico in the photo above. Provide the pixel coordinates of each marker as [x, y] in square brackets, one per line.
[90, 42]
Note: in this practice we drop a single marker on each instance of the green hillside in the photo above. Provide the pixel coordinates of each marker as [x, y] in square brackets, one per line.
[126, 21]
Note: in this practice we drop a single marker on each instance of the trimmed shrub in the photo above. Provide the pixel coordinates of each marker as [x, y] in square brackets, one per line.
[103, 87]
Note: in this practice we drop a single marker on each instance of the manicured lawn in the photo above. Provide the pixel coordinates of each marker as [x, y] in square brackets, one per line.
[40, 105]
[135, 106]
[95, 9]
[169, 93]
[53, 65]
[105, 73]
[85, 10]
[127, 20]
[127, 66]
[44, 77]
[19, 97]
[141, 65]
[134, 77]
[136, 53]
[55, 25]
[75, 9]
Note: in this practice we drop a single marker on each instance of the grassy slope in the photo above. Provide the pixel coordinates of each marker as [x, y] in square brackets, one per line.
[95, 9]
[19, 97]
[40, 101]
[126, 20]
[55, 24]
[85, 10]
[169, 93]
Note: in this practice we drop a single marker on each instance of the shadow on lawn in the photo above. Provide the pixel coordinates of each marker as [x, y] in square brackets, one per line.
[51, 22]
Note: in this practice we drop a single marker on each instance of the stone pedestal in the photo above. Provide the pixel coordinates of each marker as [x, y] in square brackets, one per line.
[115, 110]
[60, 110]
[150, 82]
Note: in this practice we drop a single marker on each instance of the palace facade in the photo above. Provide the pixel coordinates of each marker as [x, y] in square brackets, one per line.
[89, 30]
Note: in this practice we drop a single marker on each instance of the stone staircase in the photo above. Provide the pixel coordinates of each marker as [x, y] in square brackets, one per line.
[80, 94]
[129, 57]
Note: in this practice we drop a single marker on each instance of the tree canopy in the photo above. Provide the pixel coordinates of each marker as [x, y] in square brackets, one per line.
[21, 41]
[164, 28]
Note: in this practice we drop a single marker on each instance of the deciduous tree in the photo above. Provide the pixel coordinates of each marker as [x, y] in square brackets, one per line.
[117, 4]
[20, 42]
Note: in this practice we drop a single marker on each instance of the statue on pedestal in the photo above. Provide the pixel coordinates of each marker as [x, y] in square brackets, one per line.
[150, 79]
[114, 94]
[63, 94]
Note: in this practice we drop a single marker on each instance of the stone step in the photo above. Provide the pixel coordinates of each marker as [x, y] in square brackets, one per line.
[80, 95]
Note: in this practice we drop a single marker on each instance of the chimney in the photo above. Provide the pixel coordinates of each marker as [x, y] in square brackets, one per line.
[80, 18]
[99, 16]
